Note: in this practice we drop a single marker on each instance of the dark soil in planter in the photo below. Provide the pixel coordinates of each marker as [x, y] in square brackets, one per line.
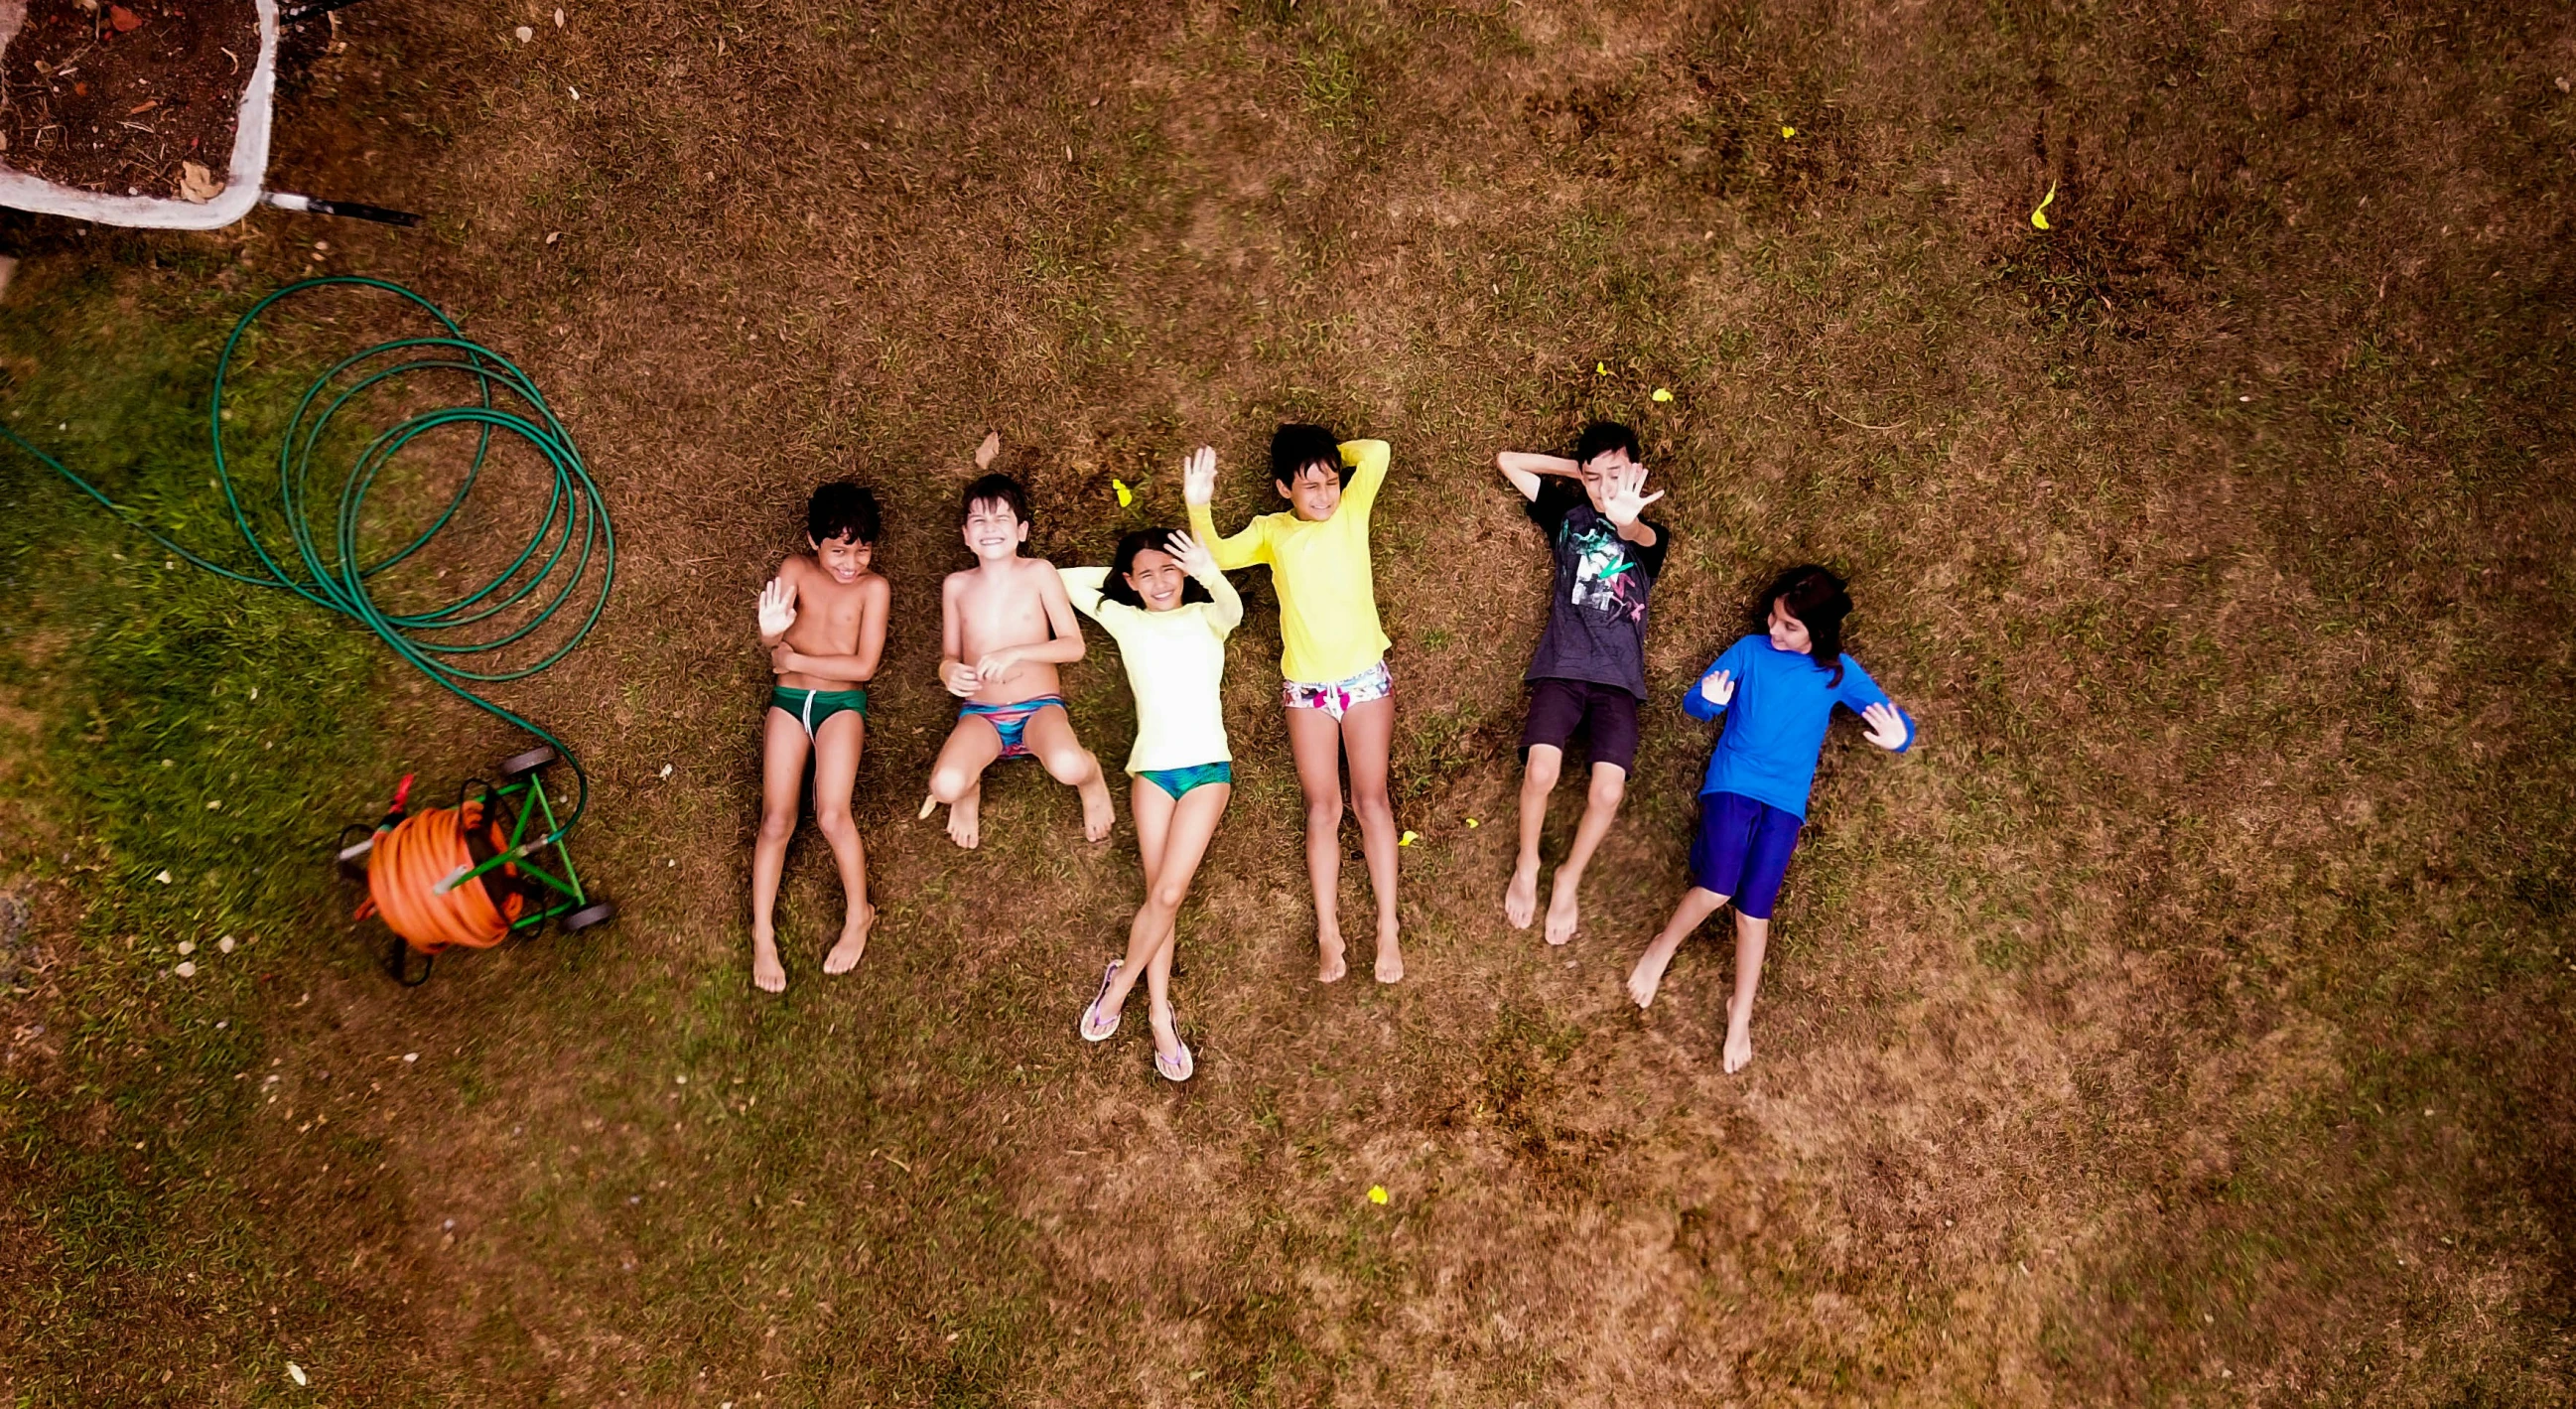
[117, 100]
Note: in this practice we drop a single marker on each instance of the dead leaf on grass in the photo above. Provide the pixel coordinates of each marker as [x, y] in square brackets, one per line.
[124, 21]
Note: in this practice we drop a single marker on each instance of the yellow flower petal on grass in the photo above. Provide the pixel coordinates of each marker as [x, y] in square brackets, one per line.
[1408, 839]
[1377, 1193]
[2039, 213]
[1663, 393]
[1788, 132]
[1600, 369]
[1472, 822]
[1126, 496]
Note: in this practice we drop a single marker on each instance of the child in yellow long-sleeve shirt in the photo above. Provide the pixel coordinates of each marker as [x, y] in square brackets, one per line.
[1337, 694]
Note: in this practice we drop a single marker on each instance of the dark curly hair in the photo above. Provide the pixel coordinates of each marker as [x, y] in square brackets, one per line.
[844, 508]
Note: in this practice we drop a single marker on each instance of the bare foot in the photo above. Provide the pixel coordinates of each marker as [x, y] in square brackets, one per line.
[1520, 898]
[1390, 956]
[767, 974]
[1330, 967]
[1099, 814]
[1167, 1036]
[1563, 907]
[1648, 976]
[1739, 1039]
[985, 452]
[854, 941]
[965, 826]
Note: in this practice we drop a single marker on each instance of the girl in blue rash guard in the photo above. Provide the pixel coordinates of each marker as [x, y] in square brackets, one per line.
[1776, 693]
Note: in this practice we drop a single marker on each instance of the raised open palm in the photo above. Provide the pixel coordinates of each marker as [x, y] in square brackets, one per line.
[1626, 497]
[1886, 726]
[1193, 556]
[777, 607]
[1198, 476]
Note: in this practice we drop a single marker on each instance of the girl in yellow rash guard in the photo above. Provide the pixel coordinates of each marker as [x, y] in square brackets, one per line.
[1169, 608]
[1336, 693]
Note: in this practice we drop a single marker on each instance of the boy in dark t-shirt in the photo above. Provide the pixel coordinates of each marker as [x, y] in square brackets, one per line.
[1589, 672]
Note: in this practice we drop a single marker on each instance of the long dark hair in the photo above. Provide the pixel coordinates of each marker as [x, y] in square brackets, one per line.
[1820, 601]
[1114, 588]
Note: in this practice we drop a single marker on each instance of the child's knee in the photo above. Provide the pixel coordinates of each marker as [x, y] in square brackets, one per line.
[1324, 812]
[1608, 789]
[1167, 896]
[834, 822]
[1543, 767]
[948, 782]
[1070, 763]
[777, 826]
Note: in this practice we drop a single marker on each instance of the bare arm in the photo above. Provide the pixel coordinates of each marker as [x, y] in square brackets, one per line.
[1526, 470]
[860, 666]
[955, 675]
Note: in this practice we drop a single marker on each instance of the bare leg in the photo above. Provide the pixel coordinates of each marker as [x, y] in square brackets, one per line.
[1050, 737]
[1315, 741]
[1152, 809]
[1538, 780]
[1171, 838]
[1368, 732]
[1697, 905]
[1164, 1022]
[1609, 784]
[782, 776]
[836, 770]
[1752, 937]
[957, 779]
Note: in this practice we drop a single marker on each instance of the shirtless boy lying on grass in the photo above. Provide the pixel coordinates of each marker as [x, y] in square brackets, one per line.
[1005, 624]
[823, 621]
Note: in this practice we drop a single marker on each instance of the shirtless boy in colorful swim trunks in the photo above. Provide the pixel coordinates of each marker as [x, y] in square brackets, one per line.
[823, 621]
[1005, 624]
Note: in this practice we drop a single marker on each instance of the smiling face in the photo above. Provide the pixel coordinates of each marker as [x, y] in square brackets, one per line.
[1787, 632]
[992, 531]
[843, 558]
[1596, 473]
[1158, 579]
[1316, 493]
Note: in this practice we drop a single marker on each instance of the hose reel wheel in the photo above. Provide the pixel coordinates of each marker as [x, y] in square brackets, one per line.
[521, 765]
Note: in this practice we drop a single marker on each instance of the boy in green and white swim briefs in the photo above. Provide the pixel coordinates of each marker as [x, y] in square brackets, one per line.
[823, 621]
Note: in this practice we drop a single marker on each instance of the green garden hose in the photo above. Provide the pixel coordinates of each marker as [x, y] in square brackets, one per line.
[338, 579]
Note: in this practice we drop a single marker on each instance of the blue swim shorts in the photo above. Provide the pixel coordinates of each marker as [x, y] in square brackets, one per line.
[1741, 851]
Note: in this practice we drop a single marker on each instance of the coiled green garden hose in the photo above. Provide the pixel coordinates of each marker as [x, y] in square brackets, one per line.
[338, 580]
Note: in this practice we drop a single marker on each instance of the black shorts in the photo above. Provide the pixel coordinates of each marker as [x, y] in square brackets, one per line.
[1605, 714]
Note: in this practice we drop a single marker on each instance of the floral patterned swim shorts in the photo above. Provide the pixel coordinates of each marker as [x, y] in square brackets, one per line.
[1337, 697]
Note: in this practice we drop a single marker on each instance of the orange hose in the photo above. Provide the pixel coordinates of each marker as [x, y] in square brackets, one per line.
[408, 862]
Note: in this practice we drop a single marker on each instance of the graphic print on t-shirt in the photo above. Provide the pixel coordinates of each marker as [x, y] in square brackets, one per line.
[1606, 579]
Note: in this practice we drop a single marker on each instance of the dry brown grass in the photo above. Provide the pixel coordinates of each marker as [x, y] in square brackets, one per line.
[2184, 1021]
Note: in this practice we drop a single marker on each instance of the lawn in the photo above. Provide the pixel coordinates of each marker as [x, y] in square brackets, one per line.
[2185, 1020]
